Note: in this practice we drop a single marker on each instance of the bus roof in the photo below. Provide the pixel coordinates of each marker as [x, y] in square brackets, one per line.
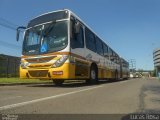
[77, 17]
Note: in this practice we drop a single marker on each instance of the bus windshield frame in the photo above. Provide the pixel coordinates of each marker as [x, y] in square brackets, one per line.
[46, 38]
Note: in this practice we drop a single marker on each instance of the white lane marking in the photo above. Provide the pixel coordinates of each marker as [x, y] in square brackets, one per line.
[10, 98]
[46, 98]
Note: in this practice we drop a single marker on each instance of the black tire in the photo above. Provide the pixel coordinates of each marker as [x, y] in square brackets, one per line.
[87, 81]
[58, 82]
[126, 78]
[93, 75]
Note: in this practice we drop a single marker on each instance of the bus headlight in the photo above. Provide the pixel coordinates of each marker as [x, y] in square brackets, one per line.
[24, 65]
[60, 61]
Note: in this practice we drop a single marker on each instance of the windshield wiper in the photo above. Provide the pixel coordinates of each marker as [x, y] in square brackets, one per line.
[49, 28]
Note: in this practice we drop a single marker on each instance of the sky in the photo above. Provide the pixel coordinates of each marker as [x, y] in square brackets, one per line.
[129, 27]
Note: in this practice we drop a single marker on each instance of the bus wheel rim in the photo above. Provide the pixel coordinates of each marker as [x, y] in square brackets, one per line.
[93, 74]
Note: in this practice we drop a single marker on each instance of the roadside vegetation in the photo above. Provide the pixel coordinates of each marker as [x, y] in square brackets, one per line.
[18, 80]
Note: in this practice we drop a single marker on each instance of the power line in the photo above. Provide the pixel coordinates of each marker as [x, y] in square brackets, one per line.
[7, 24]
[9, 45]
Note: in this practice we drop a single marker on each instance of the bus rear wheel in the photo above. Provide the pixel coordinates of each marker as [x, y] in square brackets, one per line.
[93, 75]
[58, 82]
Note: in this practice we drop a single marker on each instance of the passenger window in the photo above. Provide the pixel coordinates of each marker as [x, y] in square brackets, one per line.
[105, 47]
[110, 53]
[99, 46]
[90, 40]
[77, 40]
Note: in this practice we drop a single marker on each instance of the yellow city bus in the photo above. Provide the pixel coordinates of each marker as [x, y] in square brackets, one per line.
[59, 46]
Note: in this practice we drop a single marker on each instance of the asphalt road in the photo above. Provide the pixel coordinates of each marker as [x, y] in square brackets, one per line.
[139, 95]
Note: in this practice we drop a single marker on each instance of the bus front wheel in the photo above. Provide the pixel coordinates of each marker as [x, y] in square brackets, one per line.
[58, 82]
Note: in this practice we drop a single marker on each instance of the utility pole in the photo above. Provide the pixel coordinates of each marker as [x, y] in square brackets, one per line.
[132, 65]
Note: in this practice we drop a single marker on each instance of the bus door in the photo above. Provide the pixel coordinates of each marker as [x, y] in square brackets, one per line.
[78, 51]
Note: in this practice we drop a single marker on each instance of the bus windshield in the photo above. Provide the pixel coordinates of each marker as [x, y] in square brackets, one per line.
[45, 38]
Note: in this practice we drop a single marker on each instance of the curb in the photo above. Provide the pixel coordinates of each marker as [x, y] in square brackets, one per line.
[14, 84]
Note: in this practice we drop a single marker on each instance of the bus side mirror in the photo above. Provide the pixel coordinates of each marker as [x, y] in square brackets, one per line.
[17, 36]
[18, 32]
[77, 27]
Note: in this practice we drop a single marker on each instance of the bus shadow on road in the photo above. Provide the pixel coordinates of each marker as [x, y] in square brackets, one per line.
[76, 83]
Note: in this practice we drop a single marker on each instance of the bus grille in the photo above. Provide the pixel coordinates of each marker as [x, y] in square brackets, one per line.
[40, 66]
[38, 73]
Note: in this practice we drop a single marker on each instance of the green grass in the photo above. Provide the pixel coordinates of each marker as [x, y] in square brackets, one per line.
[18, 80]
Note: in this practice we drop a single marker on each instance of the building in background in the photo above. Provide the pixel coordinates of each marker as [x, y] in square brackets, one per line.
[9, 66]
[156, 58]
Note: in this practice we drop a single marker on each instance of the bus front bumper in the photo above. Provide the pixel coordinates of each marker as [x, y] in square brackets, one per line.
[66, 71]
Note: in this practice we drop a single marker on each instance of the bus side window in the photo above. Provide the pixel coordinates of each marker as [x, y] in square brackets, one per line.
[110, 53]
[90, 40]
[99, 46]
[106, 54]
[77, 40]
